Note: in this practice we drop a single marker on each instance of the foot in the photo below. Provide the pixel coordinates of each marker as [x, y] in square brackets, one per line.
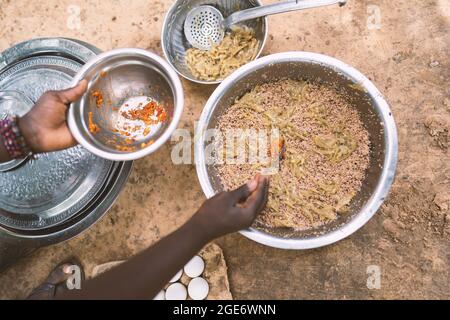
[55, 284]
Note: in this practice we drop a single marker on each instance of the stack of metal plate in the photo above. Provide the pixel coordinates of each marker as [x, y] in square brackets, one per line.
[55, 196]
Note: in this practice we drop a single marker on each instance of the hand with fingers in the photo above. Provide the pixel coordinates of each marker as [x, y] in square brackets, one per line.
[229, 212]
[45, 127]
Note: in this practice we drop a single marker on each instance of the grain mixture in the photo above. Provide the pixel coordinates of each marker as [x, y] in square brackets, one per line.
[326, 151]
[236, 49]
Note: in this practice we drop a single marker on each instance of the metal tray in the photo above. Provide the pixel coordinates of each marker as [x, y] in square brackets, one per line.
[14, 245]
[52, 188]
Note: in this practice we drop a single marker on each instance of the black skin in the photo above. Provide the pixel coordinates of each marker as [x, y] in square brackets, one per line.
[45, 127]
[145, 275]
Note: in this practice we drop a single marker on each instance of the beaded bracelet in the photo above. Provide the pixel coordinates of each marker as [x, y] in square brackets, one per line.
[13, 140]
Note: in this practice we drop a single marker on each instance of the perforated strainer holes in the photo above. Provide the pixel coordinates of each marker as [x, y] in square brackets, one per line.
[204, 26]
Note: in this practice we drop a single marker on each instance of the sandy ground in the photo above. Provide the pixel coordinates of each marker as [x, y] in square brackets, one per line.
[405, 53]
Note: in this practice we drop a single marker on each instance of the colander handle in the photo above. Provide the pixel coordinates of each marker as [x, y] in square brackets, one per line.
[276, 8]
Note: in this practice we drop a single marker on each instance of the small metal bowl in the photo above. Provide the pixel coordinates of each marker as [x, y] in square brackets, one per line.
[364, 96]
[119, 75]
[175, 44]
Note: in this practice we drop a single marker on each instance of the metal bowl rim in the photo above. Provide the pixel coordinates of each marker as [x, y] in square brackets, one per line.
[166, 54]
[178, 107]
[389, 165]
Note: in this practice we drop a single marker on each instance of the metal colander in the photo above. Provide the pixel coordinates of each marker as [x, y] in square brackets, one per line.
[204, 24]
[175, 44]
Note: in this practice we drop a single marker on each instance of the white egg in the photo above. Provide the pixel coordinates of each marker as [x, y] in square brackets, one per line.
[176, 277]
[195, 267]
[160, 296]
[176, 291]
[198, 289]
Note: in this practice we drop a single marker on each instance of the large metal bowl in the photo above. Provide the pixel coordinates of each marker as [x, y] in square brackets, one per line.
[364, 96]
[175, 44]
[119, 75]
[51, 197]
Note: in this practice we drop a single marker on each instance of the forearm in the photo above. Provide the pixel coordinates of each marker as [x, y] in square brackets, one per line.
[144, 275]
[14, 143]
[4, 156]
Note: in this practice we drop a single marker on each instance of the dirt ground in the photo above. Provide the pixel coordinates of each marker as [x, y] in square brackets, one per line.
[403, 46]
